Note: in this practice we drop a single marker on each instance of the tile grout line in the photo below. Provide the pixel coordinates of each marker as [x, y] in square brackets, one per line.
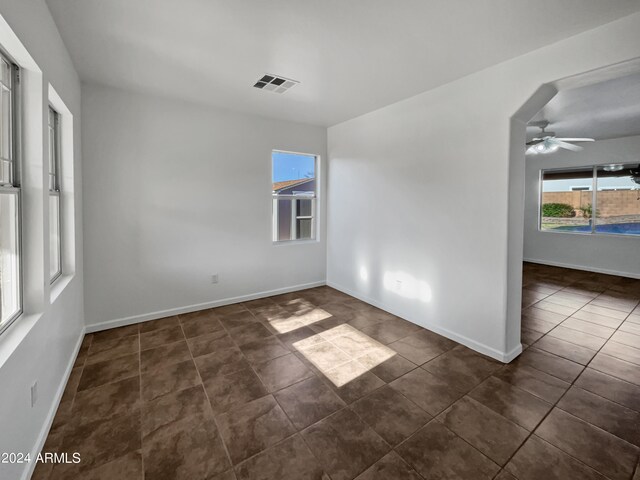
[437, 420]
[432, 417]
[607, 339]
[347, 406]
[73, 398]
[141, 401]
[215, 421]
[296, 431]
[554, 405]
[600, 372]
[435, 417]
[110, 382]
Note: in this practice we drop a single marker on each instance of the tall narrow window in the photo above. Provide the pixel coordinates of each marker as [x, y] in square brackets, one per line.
[294, 194]
[10, 261]
[55, 251]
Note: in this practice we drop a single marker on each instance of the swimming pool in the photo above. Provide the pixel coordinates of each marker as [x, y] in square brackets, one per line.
[618, 228]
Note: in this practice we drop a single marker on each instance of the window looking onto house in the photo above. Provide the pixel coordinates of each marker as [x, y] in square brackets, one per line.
[294, 192]
[10, 259]
[55, 245]
[600, 199]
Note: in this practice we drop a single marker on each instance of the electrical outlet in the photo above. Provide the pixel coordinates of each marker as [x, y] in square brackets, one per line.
[214, 278]
[34, 393]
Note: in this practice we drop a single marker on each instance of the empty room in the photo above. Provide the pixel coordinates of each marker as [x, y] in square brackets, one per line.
[319, 240]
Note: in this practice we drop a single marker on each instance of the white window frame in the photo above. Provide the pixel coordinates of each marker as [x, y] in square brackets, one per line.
[593, 222]
[302, 195]
[296, 217]
[12, 186]
[54, 181]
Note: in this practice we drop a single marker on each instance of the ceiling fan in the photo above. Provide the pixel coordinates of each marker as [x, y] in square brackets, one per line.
[547, 142]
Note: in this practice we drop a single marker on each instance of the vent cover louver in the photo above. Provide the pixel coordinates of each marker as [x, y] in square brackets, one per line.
[275, 84]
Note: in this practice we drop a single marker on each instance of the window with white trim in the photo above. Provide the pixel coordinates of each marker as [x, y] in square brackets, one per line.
[10, 221]
[294, 196]
[55, 244]
[602, 199]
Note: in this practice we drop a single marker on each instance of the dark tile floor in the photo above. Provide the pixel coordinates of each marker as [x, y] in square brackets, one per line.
[318, 385]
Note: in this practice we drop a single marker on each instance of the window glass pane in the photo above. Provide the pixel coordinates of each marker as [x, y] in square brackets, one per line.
[54, 236]
[52, 152]
[303, 228]
[618, 199]
[4, 123]
[5, 172]
[566, 200]
[9, 258]
[5, 70]
[283, 226]
[293, 175]
[54, 199]
[5, 133]
[304, 208]
[292, 167]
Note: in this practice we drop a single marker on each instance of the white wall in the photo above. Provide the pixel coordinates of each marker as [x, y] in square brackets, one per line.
[175, 192]
[41, 344]
[419, 191]
[600, 253]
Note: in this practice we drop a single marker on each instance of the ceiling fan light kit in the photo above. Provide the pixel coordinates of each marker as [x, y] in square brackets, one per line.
[614, 167]
[543, 147]
[547, 142]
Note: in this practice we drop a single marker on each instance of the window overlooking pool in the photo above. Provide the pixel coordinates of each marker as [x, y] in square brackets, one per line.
[600, 199]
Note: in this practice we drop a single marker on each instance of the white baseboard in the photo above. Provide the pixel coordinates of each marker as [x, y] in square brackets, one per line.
[44, 432]
[121, 322]
[504, 357]
[507, 357]
[583, 268]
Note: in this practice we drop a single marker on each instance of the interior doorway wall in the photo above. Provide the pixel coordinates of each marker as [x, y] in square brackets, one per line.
[518, 123]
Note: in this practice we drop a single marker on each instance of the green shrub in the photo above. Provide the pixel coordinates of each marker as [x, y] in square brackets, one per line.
[587, 211]
[558, 210]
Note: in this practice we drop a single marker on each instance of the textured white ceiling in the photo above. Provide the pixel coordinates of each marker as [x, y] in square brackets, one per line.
[351, 57]
[603, 110]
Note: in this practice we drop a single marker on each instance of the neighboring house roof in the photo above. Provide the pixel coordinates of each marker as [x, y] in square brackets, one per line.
[277, 186]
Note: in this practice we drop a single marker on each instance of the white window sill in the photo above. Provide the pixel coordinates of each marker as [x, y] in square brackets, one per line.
[13, 336]
[294, 242]
[59, 285]
[592, 234]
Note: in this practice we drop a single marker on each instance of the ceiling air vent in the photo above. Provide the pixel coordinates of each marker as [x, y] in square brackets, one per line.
[275, 84]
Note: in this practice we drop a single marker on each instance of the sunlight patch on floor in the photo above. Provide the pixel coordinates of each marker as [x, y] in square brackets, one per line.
[287, 322]
[343, 353]
[292, 315]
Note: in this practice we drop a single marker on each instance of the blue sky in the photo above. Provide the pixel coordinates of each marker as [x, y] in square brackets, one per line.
[291, 166]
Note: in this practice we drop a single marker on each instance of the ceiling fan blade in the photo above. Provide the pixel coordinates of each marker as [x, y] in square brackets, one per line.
[535, 141]
[568, 146]
[576, 139]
